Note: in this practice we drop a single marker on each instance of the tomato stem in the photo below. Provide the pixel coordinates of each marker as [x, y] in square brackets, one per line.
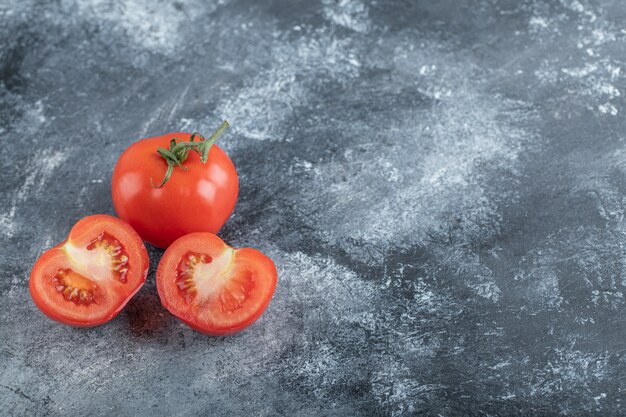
[178, 152]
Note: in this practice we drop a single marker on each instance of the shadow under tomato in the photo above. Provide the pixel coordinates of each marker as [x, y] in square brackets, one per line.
[146, 316]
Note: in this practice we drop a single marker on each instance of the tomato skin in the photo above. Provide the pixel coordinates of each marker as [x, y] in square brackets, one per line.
[115, 295]
[199, 199]
[206, 316]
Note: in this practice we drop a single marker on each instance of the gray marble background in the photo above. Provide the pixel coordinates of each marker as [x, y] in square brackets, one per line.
[440, 183]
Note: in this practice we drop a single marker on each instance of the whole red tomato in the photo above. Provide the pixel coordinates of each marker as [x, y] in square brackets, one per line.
[168, 186]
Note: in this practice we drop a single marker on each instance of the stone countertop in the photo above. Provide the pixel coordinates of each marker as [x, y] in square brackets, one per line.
[441, 185]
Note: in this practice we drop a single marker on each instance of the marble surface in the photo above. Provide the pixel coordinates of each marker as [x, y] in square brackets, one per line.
[441, 185]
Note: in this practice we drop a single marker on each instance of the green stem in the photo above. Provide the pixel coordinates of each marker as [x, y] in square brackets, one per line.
[178, 152]
[168, 173]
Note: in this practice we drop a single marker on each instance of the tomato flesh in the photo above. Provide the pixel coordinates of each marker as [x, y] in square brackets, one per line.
[87, 279]
[212, 287]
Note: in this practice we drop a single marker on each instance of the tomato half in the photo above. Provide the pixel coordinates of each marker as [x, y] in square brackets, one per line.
[87, 279]
[212, 287]
[199, 197]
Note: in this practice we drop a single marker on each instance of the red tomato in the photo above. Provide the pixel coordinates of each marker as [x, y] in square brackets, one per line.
[87, 279]
[197, 198]
[212, 287]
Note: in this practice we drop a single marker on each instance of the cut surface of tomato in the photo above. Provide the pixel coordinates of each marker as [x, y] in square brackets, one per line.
[87, 279]
[212, 287]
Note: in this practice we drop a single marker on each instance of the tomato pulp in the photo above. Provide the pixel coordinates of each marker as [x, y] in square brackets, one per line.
[212, 287]
[197, 196]
[87, 279]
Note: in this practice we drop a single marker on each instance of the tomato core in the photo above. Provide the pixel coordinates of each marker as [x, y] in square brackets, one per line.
[203, 280]
[74, 287]
[104, 258]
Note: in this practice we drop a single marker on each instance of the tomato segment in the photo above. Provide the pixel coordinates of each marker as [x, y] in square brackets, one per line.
[87, 279]
[212, 287]
[75, 287]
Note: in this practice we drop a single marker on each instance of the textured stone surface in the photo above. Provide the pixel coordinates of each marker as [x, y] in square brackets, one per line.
[441, 185]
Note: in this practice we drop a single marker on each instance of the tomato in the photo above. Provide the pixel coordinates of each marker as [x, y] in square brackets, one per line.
[87, 279]
[197, 194]
[212, 287]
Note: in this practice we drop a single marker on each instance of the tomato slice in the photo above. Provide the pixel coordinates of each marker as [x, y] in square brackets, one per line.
[212, 287]
[87, 279]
